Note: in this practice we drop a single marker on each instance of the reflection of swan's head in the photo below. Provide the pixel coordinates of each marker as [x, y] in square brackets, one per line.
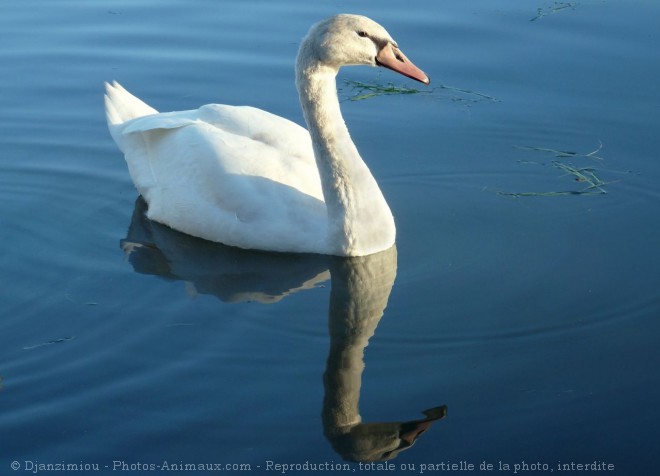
[352, 40]
[382, 441]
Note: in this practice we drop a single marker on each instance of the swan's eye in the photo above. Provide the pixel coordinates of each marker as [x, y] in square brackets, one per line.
[363, 34]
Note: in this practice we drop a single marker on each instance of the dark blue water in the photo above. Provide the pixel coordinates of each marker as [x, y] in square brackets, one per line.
[520, 296]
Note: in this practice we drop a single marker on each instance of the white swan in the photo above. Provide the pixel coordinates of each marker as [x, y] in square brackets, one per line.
[244, 177]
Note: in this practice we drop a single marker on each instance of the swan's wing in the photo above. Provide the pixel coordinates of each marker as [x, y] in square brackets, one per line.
[292, 164]
[261, 126]
[290, 159]
[236, 175]
[162, 120]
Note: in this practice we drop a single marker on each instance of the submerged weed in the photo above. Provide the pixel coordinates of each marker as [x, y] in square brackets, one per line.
[464, 96]
[556, 7]
[587, 176]
[560, 154]
[360, 91]
[50, 342]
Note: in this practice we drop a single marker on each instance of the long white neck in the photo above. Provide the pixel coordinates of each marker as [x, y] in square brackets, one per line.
[360, 221]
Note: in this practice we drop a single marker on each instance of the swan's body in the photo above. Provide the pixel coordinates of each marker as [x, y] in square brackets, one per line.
[244, 177]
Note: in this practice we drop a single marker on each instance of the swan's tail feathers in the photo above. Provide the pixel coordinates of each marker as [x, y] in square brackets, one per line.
[122, 106]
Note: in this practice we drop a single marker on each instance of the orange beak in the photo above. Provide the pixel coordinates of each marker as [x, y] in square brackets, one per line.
[391, 57]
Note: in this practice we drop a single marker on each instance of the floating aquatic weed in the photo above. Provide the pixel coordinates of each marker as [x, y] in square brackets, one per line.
[465, 96]
[50, 342]
[551, 10]
[564, 153]
[361, 90]
[584, 175]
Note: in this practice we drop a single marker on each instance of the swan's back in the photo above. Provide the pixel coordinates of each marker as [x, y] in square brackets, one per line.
[236, 175]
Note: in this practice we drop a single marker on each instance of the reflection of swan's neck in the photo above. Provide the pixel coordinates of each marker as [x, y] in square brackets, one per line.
[343, 379]
[360, 289]
[360, 222]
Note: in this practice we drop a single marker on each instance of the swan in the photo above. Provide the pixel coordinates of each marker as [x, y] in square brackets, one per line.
[247, 178]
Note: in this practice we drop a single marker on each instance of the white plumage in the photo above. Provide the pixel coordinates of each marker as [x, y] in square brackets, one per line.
[244, 177]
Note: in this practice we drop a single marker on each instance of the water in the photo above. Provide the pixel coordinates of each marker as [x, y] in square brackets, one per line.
[533, 319]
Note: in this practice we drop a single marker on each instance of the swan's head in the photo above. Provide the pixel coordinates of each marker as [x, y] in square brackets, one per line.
[354, 39]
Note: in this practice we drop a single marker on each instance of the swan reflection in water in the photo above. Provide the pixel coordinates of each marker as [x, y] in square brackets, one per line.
[360, 288]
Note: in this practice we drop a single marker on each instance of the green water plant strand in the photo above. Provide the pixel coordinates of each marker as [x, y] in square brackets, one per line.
[584, 175]
[555, 8]
[361, 91]
[560, 154]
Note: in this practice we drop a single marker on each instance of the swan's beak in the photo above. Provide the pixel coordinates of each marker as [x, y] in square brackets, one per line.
[411, 430]
[391, 57]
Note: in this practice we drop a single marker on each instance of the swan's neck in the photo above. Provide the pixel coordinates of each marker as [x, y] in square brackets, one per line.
[360, 222]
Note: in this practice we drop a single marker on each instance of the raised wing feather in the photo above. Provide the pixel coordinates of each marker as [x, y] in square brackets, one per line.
[237, 175]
